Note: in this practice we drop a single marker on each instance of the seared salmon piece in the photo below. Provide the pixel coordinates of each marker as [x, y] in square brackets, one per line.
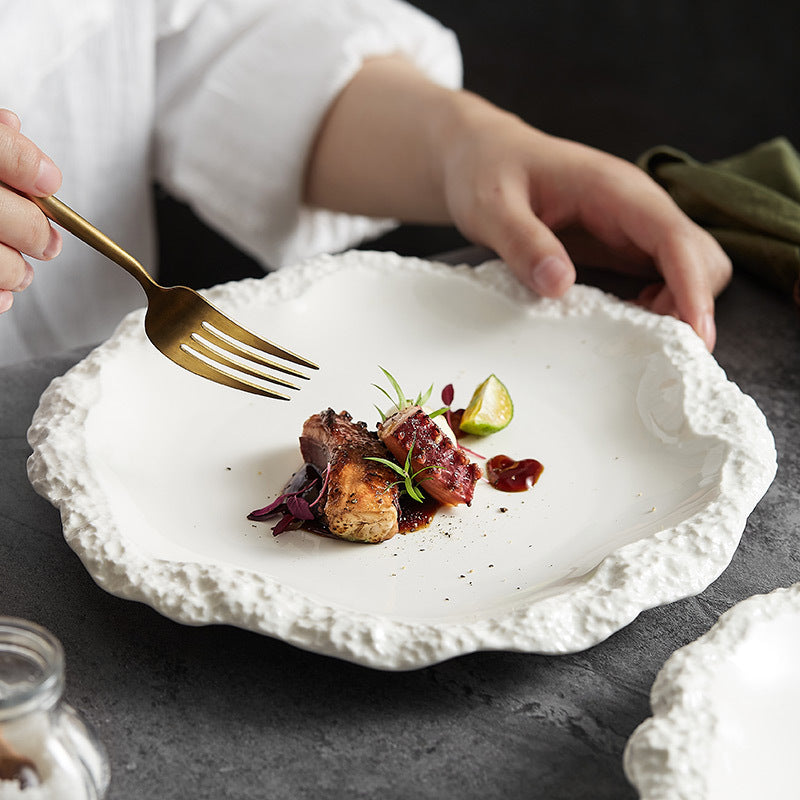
[361, 502]
[453, 477]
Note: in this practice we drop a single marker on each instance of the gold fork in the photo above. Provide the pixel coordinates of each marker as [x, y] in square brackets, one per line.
[183, 325]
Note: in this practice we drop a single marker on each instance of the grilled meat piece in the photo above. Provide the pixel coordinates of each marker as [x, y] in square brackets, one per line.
[361, 502]
[453, 480]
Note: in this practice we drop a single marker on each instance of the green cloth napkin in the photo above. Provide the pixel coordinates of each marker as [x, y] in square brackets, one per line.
[750, 203]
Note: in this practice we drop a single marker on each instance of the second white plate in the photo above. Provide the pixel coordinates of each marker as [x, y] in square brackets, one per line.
[725, 710]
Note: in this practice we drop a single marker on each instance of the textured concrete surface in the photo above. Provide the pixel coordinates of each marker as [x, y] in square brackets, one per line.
[218, 712]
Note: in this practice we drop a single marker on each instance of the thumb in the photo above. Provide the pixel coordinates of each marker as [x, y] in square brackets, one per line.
[23, 165]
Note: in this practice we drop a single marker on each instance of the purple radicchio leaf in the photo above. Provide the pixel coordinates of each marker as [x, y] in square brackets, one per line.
[273, 508]
[287, 522]
[281, 500]
[293, 507]
[299, 508]
[448, 393]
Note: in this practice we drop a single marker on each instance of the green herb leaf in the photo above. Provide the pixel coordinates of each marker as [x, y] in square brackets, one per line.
[423, 398]
[409, 479]
[381, 389]
[403, 473]
[408, 458]
[420, 471]
[402, 401]
[412, 490]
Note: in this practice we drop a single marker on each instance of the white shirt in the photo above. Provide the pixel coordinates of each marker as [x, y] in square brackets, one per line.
[218, 100]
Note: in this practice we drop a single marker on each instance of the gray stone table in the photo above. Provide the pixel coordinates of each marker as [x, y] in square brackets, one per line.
[213, 712]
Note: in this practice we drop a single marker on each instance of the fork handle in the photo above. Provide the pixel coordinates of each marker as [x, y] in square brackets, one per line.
[74, 223]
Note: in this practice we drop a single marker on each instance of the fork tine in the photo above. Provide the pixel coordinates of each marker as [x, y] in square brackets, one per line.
[223, 341]
[173, 312]
[191, 361]
[210, 351]
[241, 335]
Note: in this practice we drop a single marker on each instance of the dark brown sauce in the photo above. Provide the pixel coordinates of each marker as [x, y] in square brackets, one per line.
[508, 475]
[415, 515]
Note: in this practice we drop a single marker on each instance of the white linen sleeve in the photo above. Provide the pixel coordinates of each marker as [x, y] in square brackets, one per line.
[242, 88]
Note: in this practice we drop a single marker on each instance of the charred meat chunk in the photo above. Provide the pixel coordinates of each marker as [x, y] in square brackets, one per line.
[361, 500]
[453, 477]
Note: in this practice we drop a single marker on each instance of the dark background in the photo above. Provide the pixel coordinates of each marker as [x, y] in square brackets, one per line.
[711, 78]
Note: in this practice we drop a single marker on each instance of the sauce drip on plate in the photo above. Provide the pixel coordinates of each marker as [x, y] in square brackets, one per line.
[508, 475]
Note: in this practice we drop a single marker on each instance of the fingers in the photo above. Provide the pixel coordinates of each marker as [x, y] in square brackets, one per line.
[10, 119]
[532, 251]
[659, 299]
[23, 165]
[25, 168]
[696, 270]
[15, 275]
[15, 272]
[24, 230]
[693, 265]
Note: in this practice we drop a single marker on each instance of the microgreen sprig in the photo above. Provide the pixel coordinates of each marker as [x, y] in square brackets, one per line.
[401, 402]
[408, 477]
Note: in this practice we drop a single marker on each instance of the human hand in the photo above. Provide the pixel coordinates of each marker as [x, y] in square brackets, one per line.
[543, 203]
[396, 145]
[24, 230]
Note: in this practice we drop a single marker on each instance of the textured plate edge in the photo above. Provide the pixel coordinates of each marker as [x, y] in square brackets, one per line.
[605, 600]
[666, 755]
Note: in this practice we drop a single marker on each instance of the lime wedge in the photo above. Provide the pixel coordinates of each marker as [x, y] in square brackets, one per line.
[490, 409]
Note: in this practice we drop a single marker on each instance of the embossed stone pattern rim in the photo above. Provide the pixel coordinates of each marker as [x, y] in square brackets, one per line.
[672, 564]
[667, 756]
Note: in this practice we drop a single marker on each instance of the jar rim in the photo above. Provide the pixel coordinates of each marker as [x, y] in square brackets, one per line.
[33, 667]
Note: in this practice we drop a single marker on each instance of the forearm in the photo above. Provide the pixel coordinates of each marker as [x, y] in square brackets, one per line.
[378, 151]
[396, 145]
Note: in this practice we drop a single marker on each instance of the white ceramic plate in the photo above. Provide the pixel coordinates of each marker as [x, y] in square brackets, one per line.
[725, 710]
[653, 460]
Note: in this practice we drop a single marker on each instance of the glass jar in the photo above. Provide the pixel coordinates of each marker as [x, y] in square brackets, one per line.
[47, 752]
